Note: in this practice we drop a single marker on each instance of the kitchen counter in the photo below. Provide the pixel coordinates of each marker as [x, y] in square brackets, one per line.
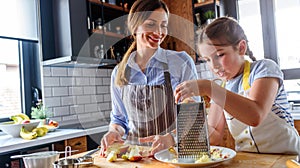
[242, 159]
[296, 116]
[9, 143]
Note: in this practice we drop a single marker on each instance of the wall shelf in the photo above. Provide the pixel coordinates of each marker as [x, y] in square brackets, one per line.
[207, 2]
[110, 34]
[108, 5]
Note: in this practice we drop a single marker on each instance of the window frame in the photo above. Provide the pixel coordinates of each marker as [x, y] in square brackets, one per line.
[30, 75]
[30, 65]
[267, 10]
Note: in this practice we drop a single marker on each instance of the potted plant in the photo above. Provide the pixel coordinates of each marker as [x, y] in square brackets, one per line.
[40, 112]
[209, 16]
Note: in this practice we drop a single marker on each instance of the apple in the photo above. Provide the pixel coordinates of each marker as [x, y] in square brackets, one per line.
[53, 123]
[25, 122]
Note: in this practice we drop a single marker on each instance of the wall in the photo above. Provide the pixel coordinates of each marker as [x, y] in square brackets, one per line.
[204, 72]
[83, 95]
[77, 94]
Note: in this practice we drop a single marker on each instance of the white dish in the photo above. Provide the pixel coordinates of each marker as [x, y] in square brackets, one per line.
[168, 157]
[13, 129]
[52, 129]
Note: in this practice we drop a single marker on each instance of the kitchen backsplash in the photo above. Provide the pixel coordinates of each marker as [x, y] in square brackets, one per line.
[77, 94]
[83, 94]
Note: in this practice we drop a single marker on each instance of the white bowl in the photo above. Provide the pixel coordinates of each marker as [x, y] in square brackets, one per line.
[14, 129]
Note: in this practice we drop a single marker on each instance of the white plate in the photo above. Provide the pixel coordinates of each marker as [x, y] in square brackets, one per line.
[167, 157]
[52, 129]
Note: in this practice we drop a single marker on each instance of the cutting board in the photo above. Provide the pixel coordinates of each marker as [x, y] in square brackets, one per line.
[242, 159]
[146, 162]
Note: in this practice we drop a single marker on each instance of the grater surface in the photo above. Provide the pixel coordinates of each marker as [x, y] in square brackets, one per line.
[192, 134]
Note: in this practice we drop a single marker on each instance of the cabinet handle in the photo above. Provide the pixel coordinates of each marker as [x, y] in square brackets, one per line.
[78, 144]
[89, 23]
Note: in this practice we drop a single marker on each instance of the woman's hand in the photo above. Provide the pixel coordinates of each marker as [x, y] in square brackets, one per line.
[159, 142]
[108, 139]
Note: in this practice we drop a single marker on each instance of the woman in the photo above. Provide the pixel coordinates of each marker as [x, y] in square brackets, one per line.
[142, 84]
[254, 99]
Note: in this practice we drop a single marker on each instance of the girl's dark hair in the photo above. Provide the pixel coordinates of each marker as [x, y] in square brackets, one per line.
[138, 13]
[226, 31]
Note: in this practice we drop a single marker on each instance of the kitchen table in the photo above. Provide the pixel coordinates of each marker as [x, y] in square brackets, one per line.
[242, 159]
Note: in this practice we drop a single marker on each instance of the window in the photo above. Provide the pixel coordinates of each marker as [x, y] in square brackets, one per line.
[249, 19]
[287, 32]
[10, 100]
[274, 22]
[19, 56]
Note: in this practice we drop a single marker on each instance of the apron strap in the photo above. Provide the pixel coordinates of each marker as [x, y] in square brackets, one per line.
[127, 73]
[246, 75]
[168, 80]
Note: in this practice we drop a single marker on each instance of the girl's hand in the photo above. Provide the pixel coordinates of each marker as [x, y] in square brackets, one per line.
[190, 88]
[108, 139]
[186, 89]
[159, 142]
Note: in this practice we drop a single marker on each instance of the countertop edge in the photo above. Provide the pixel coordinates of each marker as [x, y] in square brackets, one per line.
[9, 144]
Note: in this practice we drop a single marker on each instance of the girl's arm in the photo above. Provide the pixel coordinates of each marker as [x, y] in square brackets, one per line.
[216, 124]
[253, 109]
[250, 110]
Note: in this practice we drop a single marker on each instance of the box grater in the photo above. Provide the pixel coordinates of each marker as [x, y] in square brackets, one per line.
[192, 134]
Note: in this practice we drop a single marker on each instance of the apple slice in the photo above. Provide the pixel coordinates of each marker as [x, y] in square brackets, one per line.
[134, 154]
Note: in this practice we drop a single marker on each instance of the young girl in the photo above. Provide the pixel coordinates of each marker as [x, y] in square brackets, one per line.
[254, 99]
[142, 84]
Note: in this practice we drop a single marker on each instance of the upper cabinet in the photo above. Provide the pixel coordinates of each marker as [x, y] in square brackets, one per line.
[205, 10]
[107, 29]
[95, 31]
[64, 27]
[83, 31]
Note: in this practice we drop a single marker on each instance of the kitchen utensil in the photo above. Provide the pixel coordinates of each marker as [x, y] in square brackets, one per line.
[66, 163]
[36, 154]
[169, 157]
[88, 157]
[69, 163]
[292, 164]
[41, 159]
[192, 136]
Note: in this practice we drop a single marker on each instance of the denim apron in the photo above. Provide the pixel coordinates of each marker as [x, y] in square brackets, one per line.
[273, 135]
[150, 108]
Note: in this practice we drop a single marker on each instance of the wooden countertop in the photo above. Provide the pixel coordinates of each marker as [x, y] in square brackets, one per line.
[242, 159]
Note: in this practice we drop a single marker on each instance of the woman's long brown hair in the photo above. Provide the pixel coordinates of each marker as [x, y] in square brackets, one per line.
[137, 15]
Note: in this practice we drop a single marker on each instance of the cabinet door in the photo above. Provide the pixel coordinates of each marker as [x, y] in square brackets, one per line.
[79, 25]
[63, 27]
[108, 29]
[79, 143]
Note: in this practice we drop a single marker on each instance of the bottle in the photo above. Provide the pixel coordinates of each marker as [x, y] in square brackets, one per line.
[101, 51]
